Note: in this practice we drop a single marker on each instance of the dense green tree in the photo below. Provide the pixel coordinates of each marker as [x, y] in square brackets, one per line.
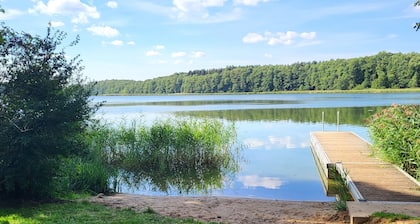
[44, 111]
[384, 70]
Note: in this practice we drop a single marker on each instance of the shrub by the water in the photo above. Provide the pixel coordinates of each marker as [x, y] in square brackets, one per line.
[187, 155]
[395, 132]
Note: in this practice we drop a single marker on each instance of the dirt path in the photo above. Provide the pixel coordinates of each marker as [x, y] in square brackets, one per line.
[230, 210]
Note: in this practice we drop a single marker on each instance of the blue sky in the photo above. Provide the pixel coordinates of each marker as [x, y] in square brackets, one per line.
[143, 39]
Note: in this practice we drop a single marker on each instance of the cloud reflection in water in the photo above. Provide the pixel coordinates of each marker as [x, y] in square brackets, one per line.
[254, 181]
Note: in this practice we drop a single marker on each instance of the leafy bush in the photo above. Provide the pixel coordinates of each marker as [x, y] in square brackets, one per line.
[44, 110]
[396, 135]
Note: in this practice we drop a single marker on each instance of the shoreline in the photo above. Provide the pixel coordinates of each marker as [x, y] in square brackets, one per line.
[228, 209]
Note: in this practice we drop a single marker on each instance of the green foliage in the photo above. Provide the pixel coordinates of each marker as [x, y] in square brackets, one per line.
[396, 135]
[81, 212]
[44, 110]
[189, 155]
[341, 190]
[392, 217]
[381, 71]
[81, 175]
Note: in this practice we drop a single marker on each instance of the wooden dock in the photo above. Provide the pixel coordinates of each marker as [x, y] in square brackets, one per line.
[371, 181]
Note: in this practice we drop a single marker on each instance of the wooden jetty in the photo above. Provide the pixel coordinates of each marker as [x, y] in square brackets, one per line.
[369, 179]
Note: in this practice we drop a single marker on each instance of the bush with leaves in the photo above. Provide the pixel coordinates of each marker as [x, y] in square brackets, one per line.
[44, 111]
[395, 132]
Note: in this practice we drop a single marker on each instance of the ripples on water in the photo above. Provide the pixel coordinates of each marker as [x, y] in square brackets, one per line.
[277, 163]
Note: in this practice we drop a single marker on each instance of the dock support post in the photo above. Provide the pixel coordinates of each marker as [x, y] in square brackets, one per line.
[338, 120]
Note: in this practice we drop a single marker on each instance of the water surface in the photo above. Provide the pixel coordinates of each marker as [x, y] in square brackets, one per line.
[277, 161]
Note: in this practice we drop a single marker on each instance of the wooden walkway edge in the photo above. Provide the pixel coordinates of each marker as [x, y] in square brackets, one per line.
[369, 179]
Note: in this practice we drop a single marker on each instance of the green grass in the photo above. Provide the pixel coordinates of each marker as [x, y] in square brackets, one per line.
[393, 216]
[80, 212]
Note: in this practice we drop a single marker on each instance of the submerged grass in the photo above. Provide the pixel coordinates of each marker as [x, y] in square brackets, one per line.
[342, 191]
[80, 212]
[392, 217]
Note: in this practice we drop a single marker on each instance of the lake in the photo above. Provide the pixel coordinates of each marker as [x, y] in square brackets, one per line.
[277, 162]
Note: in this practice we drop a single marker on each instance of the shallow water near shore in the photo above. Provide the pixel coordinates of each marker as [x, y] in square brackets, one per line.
[274, 128]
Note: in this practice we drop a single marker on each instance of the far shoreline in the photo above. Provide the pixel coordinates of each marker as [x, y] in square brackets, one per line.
[367, 91]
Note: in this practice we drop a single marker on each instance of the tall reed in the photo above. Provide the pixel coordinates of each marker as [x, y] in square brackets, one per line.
[396, 135]
[186, 155]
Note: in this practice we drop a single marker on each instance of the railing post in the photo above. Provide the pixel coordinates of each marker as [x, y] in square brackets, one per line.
[338, 120]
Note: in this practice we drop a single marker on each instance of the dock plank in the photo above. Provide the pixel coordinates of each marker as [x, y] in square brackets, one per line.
[375, 179]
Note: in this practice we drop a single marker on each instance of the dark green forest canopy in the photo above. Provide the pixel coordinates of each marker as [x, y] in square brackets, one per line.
[381, 71]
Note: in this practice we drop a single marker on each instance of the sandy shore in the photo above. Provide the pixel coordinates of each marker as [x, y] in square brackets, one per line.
[230, 210]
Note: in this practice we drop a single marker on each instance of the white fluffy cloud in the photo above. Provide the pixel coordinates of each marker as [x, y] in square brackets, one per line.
[117, 43]
[10, 14]
[112, 4]
[249, 2]
[80, 12]
[105, 31]
[56, 23]
[156, 50]
[159, 47]
[152, 53]
[178, 54]
[197, 54]
[287, 38]
[194, 11]
[253, 38]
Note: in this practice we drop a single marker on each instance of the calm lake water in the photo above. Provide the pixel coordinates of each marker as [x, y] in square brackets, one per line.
[277, 160]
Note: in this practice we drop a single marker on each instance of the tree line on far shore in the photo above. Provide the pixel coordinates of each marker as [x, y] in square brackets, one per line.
[384, 70]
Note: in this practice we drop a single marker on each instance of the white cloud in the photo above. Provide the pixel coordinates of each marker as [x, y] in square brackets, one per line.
[105, 31]
[80, 12]
[308, 36]
[197, 54]
[10, 14]
[193, 11]
[253, 181]
[112, 4]
[131, 43]
[178, 54]
[56, 23]
[117, 43]
[253, 143]
[152, 53]
[253, 38]
[276, 142]
[249, 2]
[287, 38]
[283, 142]
[159, 47]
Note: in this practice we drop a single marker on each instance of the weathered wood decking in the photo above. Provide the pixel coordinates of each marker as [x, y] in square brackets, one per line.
[369, 178]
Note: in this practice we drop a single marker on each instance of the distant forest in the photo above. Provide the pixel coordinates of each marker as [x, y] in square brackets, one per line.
[381, 71]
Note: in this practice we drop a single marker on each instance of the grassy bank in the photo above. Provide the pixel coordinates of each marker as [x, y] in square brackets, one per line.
[79, 212]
